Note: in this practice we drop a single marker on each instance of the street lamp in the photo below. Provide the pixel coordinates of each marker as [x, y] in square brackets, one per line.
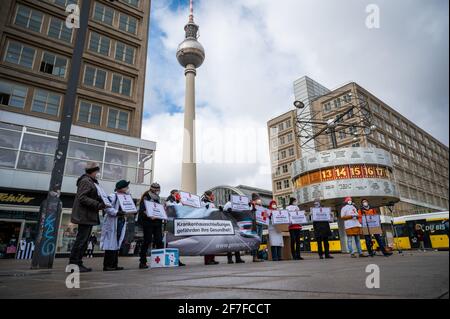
[51, 207]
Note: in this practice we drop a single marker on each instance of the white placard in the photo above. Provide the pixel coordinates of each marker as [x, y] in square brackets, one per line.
[203, 227]
[321, 214]
[239, 203]
[298, 217]
[189, 199]
[101, 193]
[280, 217]
[373, 221]
[262, 215]
[155, 210]
[126, 203]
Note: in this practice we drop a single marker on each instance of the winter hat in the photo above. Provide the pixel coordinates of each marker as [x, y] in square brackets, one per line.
[155, 186]
[122, 184]
[272, 202]
[92, 167]
[255, 196]
[348, 199]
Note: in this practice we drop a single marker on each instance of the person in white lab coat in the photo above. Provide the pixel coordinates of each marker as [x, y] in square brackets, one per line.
[275, 236]
[353, 227]
[113, 229]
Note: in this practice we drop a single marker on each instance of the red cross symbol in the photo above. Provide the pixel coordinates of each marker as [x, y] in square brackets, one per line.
[157, 259]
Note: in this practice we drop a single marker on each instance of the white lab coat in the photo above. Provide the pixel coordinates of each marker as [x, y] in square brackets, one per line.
[275, 237]
[350, 210]
[108, 240]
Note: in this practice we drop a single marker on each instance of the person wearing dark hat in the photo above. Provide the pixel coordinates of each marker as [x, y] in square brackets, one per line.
[152, 227]
[114, 229]
[208, 202]
[366, 210]
[85, 213]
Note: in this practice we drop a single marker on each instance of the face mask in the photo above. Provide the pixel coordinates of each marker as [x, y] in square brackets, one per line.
[294, 204]
[365, 204]
[157, 192]
[177, 197]
[259, 202]
[274, 206]
[349, 202]
[212, 198]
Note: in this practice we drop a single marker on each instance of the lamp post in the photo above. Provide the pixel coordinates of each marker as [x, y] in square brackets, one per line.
[51, 207]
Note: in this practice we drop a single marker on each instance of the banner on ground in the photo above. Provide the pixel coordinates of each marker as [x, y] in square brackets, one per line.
[203, 227]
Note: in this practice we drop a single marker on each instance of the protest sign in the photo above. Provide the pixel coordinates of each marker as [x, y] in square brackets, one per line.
[101, 193]
[189, 199]
[280, 217]
[203, 227]
[321, 214]
[126, 203]
[155, 210]
[239, 203]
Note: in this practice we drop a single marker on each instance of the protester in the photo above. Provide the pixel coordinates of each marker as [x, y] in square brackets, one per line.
[152, 227]
[85, 213]
[174, 199]
[353, 227]
[275, 236]
[228, 209]
[91, 246]
[207, 201]
[322, 232]
[368, 211]
[114, 229]
[295, 232]
[256, 201]
[420, 235]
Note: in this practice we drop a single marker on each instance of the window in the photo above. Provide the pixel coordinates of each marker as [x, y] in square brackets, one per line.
[375, 107]
[12, 94]
[396, 159]
[90, 113]
[347, 98]
[64, 3]
[127, 23]
[28, 18]
[291, 152]
[288, 124]
[350, 114]
[20, 54]
[103, 14]
[285, 169]
[282, 140]
[99, 44]
[279, 186]
[46, 102]
[134, 3]
[289, 137]
[395, 120]
[352, 130]
[381, 138]
[399, 134]
[411, 152]
[80, 153]
[287, 184]
[283, 154]
[407, 140]
[59, 31]
[392, 143]
[118, 119]
[327, 107]
[37, 153]
[385, 113]
[121, 85]
[389, 128]
[337, 103]
[413, 132]
[10, 136]
[342, 134]
[404, 125]
[95, 77]
[356, 144]
[53, 64]
[124, 53]
[273, 130]
[402, 148]
[416, 145]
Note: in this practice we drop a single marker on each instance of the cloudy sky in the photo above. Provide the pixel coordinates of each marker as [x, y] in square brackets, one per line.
[255, 49]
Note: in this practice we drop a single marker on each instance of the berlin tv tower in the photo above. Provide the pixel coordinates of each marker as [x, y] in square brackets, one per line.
[190, 55]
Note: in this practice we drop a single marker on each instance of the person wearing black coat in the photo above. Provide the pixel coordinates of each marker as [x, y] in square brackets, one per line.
[322, 232]
[152, 228]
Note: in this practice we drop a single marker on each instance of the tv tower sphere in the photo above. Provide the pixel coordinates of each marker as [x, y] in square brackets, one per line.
[190, 51]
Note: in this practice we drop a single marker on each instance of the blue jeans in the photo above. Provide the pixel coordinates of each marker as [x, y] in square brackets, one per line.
[259, 233]
[379, 240]
[350, 244]
[277, 252]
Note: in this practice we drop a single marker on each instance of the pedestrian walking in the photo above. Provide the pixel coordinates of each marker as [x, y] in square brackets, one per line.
[85, 213]
[152, 227]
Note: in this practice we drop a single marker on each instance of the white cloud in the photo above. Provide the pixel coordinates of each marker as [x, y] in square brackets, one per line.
[255, 49]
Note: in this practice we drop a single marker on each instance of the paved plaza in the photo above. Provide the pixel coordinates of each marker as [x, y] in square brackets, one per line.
[409, 275]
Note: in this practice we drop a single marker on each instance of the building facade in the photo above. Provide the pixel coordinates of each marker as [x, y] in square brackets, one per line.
[420, 161]
[222, 194]
[35, 63]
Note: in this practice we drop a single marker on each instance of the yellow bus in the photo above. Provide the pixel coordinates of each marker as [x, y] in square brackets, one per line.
[434, 225]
